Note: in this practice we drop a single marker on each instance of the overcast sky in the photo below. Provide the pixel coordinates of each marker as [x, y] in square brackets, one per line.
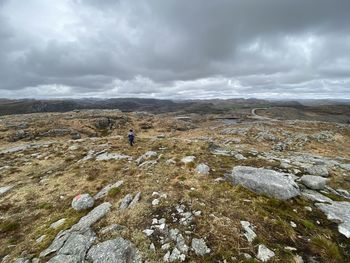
[179, 49]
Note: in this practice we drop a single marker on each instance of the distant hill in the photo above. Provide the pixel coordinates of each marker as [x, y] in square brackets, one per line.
[215, 106]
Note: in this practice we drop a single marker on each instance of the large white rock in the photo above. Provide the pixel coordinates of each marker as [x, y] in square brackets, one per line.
[338, 212]
[264, 181]
[313, 181]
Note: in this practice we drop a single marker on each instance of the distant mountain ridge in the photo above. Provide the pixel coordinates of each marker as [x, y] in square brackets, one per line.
[23, 106]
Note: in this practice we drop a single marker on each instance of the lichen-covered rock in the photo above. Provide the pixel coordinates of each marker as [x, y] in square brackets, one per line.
[313, 181]
[82, 202]
[264, 181]
[116, 250]
[320, 170]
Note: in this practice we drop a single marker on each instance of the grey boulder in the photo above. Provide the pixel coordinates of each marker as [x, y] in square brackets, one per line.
[82, 202]
[116, 250]
[320, 170]
[264, 181]
[313, 182]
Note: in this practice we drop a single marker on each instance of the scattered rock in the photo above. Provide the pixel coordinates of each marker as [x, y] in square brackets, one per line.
[264, 254]
[148, 232]
[155, 202]
[320, 170]
[82, 202]
[125, 202]
[5, 189]
[202, 169]
[264, 181]
[111, 228]
[135, 200]
[40, 239]
[313, 181]
[199, 247]
[105, 190]
[58, 223]
[249, 233]
[145, 157]
[111, 156]
[188, 159]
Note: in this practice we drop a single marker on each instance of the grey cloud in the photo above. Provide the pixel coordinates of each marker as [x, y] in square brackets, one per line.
[176, 48]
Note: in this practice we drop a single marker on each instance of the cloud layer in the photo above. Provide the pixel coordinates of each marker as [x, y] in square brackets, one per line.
[175, 49]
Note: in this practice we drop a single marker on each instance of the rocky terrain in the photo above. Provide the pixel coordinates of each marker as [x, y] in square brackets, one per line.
[193, 188]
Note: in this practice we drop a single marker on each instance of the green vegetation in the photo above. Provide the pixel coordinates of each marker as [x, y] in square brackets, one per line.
[114, 192]
[326, 249]
[9, 226]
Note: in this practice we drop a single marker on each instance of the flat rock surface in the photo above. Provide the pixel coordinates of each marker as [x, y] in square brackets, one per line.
[264, 181]
[338, 212]
[117, 250]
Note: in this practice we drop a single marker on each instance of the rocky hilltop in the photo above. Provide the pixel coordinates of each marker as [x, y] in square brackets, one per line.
[193, 188]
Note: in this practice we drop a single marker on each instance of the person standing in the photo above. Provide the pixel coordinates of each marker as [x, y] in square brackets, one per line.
[131, 137]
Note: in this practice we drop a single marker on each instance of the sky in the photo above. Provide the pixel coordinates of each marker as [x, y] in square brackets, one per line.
[175, 49]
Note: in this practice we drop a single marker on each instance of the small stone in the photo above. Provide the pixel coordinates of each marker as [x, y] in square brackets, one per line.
[197, 213]
[135, 200]
[124, 204]
[152, 247]
[58, 223]
[155, 202]
[265, 254]
[294, 225]
[188, 159]
[148, 232]
[308, 208]
[202, 169]
[40, 239]
[111, 228]
[249, 233]
[290, 248]
[166, 246]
